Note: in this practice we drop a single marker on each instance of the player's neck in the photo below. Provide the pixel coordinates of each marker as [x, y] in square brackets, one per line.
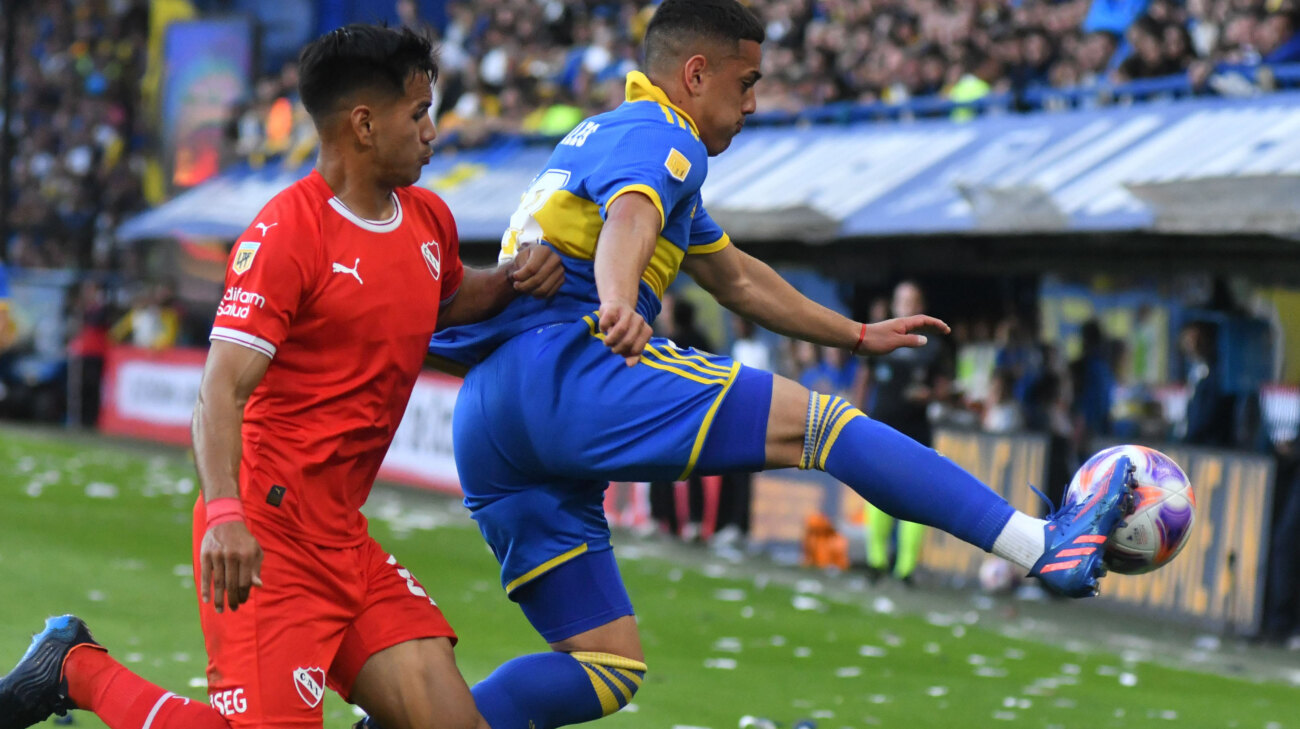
[356, 186]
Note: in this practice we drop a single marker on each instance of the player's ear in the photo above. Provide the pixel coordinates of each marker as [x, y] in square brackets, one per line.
[693, 72]
[362, 120]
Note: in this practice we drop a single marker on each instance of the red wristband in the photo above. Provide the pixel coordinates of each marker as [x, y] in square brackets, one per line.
[224, 510]
[861, 338]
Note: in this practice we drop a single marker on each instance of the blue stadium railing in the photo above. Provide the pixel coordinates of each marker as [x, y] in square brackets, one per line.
[1166, 88]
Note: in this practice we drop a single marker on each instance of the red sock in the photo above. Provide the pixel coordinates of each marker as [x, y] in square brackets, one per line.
[123, 700]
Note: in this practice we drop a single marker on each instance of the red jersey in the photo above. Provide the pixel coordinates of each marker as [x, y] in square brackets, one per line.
[344, 307]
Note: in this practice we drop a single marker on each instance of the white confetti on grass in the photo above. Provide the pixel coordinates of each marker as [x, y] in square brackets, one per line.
[729, 595]
[937, 691]
[96, 596]
[727, 645]
[725, 664]
[198, 682]
[134, 657]
[932, 649]
[848, 672]
[101, 490]
[1005, 715]
[747, 612]
[806, 603]
[809, 587]
[802, 652]
[991, 672]
[1128, 679]
[879, 699]
[872, 651]
[883, 605]
[777, 640]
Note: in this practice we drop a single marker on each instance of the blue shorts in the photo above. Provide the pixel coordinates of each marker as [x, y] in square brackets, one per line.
[544, 422]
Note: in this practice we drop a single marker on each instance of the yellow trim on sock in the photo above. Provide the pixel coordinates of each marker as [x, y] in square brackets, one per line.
[609, 659]
[844, 420]
[613, 681]
[633, 676]
[608, 702]
[545, 567]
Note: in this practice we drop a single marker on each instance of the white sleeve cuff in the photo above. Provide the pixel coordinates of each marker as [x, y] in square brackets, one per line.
[251, 341]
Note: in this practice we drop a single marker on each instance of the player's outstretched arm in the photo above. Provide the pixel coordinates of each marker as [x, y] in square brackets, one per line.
[626, 244]
[752, 289]
[230, 559]
[536, 271]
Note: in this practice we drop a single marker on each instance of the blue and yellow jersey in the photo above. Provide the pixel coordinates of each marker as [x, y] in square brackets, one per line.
[647, 145]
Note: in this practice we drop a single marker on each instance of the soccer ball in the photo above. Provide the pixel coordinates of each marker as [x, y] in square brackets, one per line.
[1163, 512]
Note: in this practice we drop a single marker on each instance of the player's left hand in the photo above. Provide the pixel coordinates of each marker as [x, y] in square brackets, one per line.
[909, 331]
[538, 271]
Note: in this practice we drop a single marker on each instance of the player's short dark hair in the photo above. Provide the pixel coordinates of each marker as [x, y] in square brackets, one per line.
[678, 23]
[357, 57]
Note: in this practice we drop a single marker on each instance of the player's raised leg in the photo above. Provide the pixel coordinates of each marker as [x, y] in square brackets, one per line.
[65, 669]
[910, 481]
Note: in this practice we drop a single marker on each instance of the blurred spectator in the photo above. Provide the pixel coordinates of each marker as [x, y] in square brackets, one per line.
[152, 322]
[1093, 383]
[1210, 411]
[86, 351]
[900, 387]
[737, 488]
[677, 322]
[1002, 411]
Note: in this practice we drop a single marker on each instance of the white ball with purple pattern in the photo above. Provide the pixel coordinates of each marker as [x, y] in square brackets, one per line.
[1163, 512]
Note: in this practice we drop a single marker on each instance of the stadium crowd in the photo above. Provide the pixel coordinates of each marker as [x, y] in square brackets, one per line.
[540, 67]
[78, 161]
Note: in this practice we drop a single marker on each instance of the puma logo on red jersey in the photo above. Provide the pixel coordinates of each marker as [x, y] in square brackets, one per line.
[340, 268]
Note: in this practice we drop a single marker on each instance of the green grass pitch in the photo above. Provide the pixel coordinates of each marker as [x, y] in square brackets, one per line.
[101, 529]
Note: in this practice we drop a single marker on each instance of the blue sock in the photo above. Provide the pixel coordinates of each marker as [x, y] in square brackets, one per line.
[898, 475]
[546, 690]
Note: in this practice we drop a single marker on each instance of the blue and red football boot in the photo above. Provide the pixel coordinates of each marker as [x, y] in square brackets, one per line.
[1075, 535]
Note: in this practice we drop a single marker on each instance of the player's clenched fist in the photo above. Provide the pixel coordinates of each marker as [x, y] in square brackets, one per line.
[909, 331]
[626, 331]
[230, 564]
[538, 271]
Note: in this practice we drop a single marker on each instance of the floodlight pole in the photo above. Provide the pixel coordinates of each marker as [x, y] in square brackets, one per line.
[10, 8]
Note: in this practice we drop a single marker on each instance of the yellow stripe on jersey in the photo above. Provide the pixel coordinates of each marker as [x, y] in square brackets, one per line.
[572, 224]
[545, 567]
[646, 190]
[713, 247]
[650, 360]
[639, 87]
[694, 361]
[668, 113]
[708, 421]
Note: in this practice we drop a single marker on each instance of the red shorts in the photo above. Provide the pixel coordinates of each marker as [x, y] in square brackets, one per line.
[320, 614]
